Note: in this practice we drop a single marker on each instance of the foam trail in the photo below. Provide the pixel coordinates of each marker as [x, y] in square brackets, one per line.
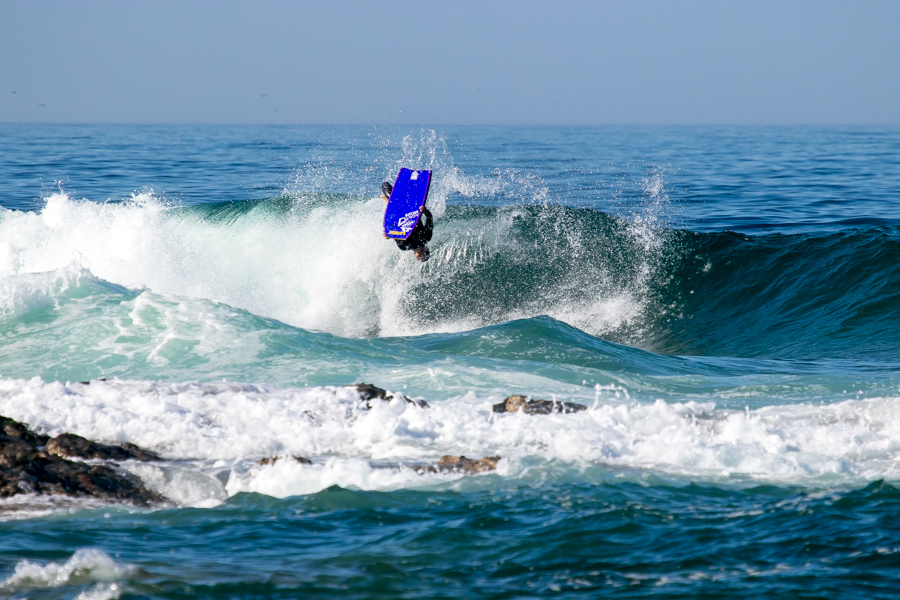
[85, 566]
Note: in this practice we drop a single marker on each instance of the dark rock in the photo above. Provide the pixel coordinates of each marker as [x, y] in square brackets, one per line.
[461, 464]
[271, 460]
[16, 430]
[368, 392]
[25, 468]
[536, 407]
[69, 445]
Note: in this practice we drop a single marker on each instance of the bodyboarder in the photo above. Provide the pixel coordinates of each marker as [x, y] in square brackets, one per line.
[421, 233]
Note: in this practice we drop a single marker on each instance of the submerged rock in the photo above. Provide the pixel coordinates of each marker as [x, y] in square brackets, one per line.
[69, 445]
[368, 392]
[461, 464]
[467, 465]
[518, 403]
[271, 460]
[26, 468]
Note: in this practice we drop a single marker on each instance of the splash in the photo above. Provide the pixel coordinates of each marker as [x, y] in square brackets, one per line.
[319, 262]
[87, 565]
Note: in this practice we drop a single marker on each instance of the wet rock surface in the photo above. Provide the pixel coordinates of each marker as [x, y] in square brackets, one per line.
[524, 404]
[15, 430]
[27, 467]
[369, 392]
[69, 445]
[461, 464]
[271, 460]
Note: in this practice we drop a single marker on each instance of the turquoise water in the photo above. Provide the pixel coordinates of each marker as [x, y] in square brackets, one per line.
[724, 300]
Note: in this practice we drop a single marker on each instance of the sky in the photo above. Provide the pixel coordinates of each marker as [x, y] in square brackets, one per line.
[453, 62]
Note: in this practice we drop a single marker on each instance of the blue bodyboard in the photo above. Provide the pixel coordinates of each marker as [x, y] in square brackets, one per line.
[406, 203]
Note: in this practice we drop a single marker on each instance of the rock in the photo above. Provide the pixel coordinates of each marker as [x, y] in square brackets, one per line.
[461, 464]
[25, 468]
[16, 430]
[467, 465]
[69, 445]
[536, 407]
[271, 460]
[368, 392]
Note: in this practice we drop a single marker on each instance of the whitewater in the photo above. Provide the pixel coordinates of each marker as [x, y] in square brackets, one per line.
[730, 325]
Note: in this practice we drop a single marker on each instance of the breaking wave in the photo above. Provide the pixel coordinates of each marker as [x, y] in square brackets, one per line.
[318, 261]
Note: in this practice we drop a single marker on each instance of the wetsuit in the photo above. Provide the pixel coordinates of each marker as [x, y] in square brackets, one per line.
[421, 233]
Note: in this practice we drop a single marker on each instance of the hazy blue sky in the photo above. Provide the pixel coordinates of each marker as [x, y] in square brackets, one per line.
[452, 62]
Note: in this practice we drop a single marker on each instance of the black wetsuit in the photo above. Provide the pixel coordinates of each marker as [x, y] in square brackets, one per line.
[421, 233]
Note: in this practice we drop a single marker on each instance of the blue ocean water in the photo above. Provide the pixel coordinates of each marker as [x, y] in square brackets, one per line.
[724, 300]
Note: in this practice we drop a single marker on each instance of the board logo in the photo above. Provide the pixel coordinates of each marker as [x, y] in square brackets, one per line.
[414, 176]
[408, 221]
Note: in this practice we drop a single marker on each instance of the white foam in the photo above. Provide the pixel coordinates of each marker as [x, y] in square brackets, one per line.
[192, 484]
[23, 292]
[322, 266]
[287, 477]
[101, 591]
[326, 269]
[85, 566]
[847, 441]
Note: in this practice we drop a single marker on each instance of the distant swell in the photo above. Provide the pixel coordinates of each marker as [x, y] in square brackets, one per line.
[834, 295]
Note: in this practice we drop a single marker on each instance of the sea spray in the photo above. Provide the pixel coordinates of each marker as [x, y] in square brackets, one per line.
[320, 262]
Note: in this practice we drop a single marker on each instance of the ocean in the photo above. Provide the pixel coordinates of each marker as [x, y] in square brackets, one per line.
[725, 301]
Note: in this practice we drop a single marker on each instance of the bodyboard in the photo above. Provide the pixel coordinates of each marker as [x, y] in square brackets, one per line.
[404, 207]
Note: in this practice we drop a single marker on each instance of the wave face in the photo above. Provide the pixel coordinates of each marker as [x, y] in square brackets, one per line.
[800, 296]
